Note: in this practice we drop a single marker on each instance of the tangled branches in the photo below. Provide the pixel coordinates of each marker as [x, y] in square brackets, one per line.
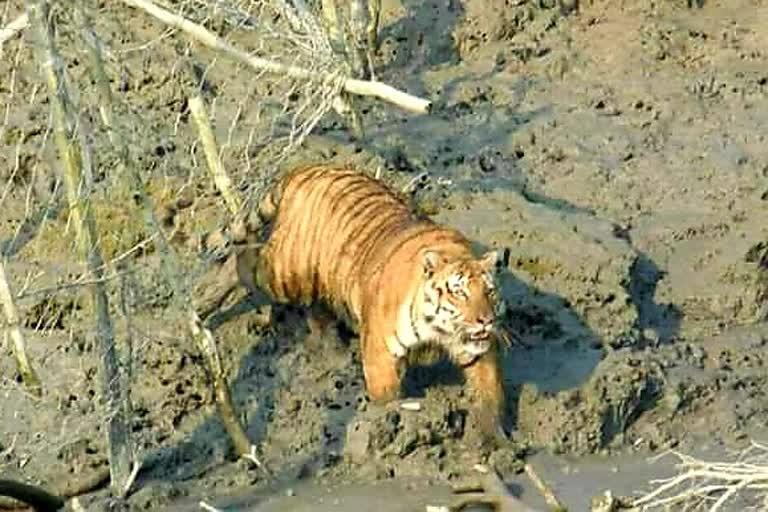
[703, 485]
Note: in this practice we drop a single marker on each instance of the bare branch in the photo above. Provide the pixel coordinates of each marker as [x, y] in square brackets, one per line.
[73, 154]
[215, 167]
[18, 347]
[354, 86]
[13, 28]
[710, 485]
[203, 335]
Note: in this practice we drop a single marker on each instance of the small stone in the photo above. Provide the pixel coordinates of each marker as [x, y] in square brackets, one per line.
[651, 336]
[358, 442]
[411, 406]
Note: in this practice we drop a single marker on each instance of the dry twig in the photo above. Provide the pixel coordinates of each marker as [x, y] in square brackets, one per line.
[18, 347]
[703, 485]
[13, 28]
[353, 86]
[544, 489]
[215, 167]
[208, 508]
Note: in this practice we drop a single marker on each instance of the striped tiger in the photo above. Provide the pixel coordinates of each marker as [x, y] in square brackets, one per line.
[349, 242]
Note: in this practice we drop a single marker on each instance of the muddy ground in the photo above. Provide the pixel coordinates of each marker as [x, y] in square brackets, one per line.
[619, 150]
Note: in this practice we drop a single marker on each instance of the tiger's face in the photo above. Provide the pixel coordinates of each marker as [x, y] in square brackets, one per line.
[459, 304]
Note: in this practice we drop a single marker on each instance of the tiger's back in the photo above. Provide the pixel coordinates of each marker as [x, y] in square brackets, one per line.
[329, 226]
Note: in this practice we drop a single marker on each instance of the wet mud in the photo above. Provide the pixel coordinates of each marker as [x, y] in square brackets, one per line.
[618, 149]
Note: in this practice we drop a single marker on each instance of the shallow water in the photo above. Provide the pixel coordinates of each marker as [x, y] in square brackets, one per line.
[575, 481]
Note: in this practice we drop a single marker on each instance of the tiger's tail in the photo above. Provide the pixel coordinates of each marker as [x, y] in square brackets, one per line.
[267, 208]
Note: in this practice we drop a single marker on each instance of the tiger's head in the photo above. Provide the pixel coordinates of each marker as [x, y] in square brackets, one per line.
[458, 304]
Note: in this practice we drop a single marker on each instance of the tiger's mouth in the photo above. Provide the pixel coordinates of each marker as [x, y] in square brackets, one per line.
[479, 335]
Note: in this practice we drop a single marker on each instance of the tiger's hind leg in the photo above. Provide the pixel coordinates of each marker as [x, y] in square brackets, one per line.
[322, 327]
[380, 368]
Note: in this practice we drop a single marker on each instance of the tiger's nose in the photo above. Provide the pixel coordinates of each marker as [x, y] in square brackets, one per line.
[485, 320]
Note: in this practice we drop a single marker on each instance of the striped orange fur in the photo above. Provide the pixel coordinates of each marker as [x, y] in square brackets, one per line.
[345, 239]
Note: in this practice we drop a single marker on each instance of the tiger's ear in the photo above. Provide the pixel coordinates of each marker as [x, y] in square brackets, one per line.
[430, 261]
[493, 260]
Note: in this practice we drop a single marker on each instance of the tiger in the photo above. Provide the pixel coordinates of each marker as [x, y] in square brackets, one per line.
[351, 243]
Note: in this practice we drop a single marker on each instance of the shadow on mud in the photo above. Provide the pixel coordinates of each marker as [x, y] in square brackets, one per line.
[417, 49]
[660, 323]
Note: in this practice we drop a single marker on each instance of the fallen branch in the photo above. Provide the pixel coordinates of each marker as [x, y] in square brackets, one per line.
[73, 152]
[546, 492]
[13, 28]
[354, 86]
[32, 495]
[489, 490]
[703, 482]
[206, 341]
[13, 326]
[75, 486]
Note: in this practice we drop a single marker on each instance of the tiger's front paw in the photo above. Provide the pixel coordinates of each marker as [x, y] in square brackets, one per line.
[491, 432]
[381, 391]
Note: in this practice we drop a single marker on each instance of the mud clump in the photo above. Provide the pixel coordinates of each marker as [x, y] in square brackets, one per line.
[400, 433]
[437, 434]
[156, 495]
[497, 20]
[589, 419]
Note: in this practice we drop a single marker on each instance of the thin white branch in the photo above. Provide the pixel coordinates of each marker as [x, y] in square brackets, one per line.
[13, 28]
[717, 482]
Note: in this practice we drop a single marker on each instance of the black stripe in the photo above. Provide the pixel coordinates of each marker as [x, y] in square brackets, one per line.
[359, 209]
[318, 195]
[335, 228]
[295, 227]
[331, 242]
[351, 207]
[351, 232]
[299, 178]
[419, 229]
[374, 238]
